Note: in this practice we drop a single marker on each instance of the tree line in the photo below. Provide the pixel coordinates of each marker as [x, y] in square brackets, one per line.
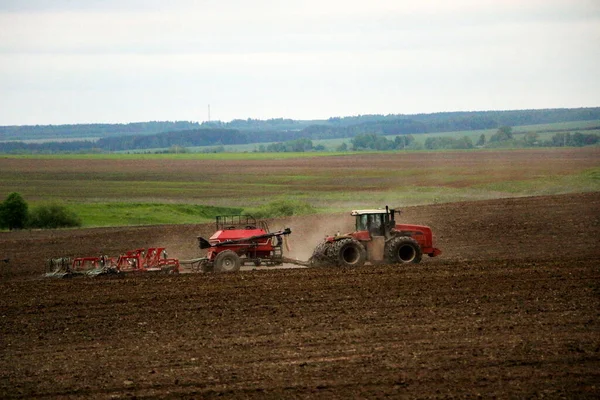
[433, 122]
[189, 138]
[215, 139]
[33, 132]
[257, 131]
[505, 137]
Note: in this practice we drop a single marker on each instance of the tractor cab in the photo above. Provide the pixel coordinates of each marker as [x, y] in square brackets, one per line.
[377, 222]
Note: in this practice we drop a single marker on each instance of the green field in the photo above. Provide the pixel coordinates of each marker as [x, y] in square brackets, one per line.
[107, 190]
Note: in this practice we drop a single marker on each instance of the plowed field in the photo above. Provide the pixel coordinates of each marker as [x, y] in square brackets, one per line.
[510, 309]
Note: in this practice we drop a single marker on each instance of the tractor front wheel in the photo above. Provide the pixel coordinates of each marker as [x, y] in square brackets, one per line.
[349, 253]
[403, 250]
[227, 261]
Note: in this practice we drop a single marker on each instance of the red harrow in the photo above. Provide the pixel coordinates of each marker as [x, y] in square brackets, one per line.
[154, 259]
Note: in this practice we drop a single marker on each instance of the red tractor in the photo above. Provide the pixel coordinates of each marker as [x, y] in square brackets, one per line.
[240, 240]
[377, 239]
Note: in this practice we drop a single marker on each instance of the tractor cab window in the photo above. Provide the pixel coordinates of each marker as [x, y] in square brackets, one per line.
[370, 222]
[376, 224]
[362, 222]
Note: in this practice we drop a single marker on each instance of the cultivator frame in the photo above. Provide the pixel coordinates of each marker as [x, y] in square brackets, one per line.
[153, 259]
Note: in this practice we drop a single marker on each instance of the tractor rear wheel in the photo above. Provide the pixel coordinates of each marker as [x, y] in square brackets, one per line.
[227, 261]
[349, 253]
[403, 249]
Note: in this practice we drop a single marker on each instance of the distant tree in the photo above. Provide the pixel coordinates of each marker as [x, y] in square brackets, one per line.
[13, 212]
[503, 134]
[278, 147]
[530, 138]
[364, 141]
[561, 139]
[382, 143]
[481, 141]
[403, 142]
[300, 145]
[464, 142]
[371, 141]
[446, 142]
[342, 147]
[578, 139]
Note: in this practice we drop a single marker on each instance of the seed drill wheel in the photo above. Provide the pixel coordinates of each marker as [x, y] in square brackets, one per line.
[403, 250]
[348, 253]
[227, 261]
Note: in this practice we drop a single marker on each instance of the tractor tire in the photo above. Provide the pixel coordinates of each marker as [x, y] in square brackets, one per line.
[227, 261]
[403, 250]
[320, 256]
[348, 253]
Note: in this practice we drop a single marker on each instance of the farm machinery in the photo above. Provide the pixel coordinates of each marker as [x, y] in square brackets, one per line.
[154, 259]
[377, 239]
[238, 241]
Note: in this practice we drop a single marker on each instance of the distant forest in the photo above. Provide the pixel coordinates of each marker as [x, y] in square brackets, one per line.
[79, 131]
[157, 135]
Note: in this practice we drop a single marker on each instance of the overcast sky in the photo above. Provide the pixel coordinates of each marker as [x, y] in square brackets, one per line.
[84, 61]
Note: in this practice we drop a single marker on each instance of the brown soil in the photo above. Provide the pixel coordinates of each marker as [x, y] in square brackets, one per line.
[510, 309]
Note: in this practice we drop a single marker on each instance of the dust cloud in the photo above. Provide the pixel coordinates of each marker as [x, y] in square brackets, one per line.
[308, 231]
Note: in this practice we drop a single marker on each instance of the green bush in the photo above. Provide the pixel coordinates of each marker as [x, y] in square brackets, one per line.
[13, 212]
[53, 216]
[282, 208]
